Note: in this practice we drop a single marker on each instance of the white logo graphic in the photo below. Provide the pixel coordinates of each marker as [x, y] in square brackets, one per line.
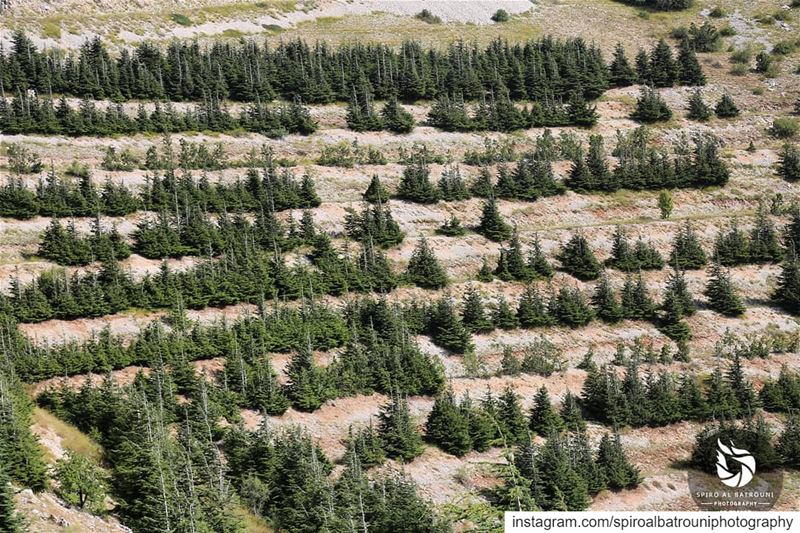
[743, 457]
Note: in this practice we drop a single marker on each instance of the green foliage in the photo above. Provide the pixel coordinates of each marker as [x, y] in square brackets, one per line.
[651, 107]
[20, 455]
[687, 253]
[784, 127]
[721, 293]
[10, 520]
[81, 482]
[397, 431]
[452, 228]
[726, 107]
[448, 425]
[23, 160]
[426, 16]
[501, 15]
[577, 258]
[544, 419]
[789, 163]
[698, 110]
[424, 269]
[395, 118]
[446, 328]
[492, 225]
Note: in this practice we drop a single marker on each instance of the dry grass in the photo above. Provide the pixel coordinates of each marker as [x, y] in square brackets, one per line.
[71, 437]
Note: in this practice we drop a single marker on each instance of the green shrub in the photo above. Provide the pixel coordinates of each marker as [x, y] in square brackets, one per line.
[181, 19]
[784, 127]
[426, 16]
[501, 15]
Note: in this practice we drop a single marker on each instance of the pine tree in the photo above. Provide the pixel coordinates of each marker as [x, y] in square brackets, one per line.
[485, 273]
[473, 313]
[569, 308]
[503, 317]
[789, 163]
[492, 226]
[665, 205]
[651, 107]
[745, 397]
[532, 310]
[482, 187]
[376, 193]
[447, 427]
[690, 72]
[571, 413]
[605, 303]
[577, 258]
[764, 246]
[622, 74]
[538, 266]
[617, 469]
[544, 419]
[721, 293]
[635, 301]
[397, 432]
[663, 69]
[308, 385]
[10, 521]
[415, 185]
[446, 327]
[510, 364]
[787, 293]
[698, 110]
[510, 417]
[687, 254]
[788, 443]
[424, 269]
[395, 118]
[726, 107]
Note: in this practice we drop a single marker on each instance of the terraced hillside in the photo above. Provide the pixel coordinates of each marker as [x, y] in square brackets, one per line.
[259, 296]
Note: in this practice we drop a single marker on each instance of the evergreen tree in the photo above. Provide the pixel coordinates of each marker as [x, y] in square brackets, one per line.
[726, 107]
[510, 364]
[687, 254]
[510, 417]
[569, 308]
[10, 521]
[308, 385]
[787, 293]
[473, 313]
[605, 303]
[492, 226]
[616, 468]
[397, 431]
[651, 107]
[447, 426]
[423, 268]
[577, 258]
[622, 74]
[447, 329]
[789, 163]
[571, 413]
[698, 110]
[395, 118]
[503, 317]
[532, 311]
[721, 293]
[376, 193]
[788, 443]
[764, 246]
[544, 419]
[690, 72]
